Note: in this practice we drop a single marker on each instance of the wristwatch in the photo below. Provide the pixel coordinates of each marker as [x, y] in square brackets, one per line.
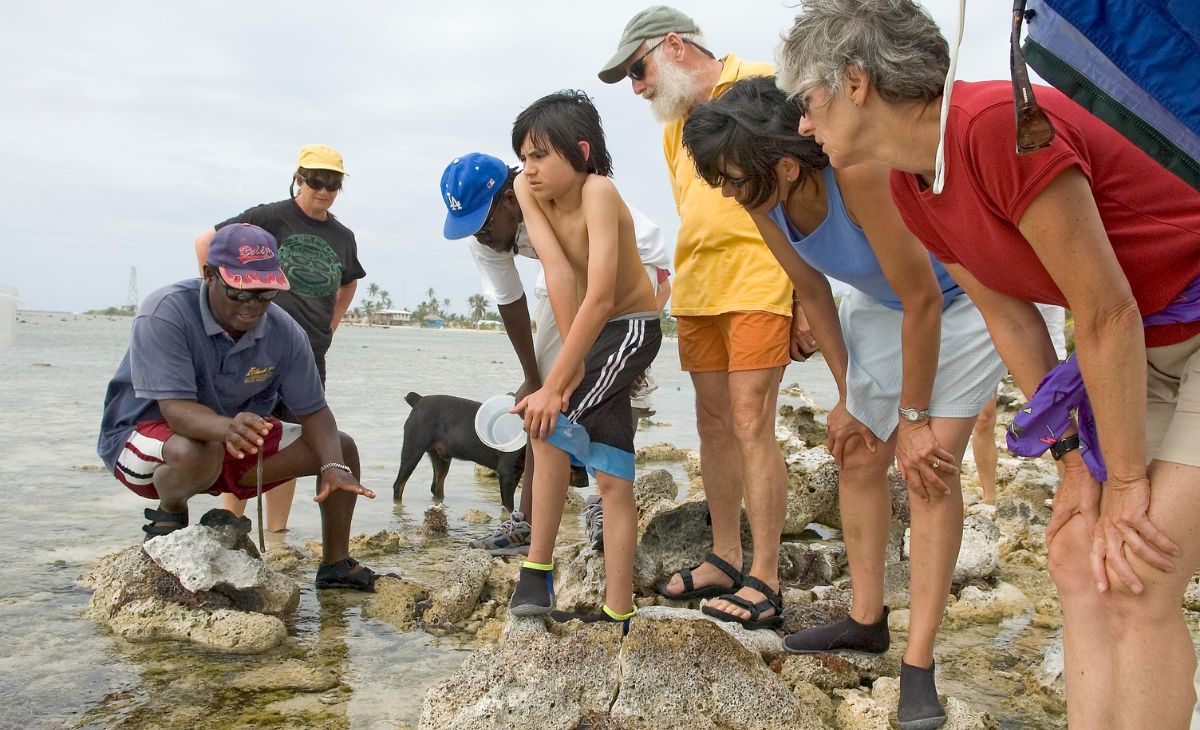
[913, 415]
[1060, 448]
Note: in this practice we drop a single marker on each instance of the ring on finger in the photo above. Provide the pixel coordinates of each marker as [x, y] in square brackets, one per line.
[936, 462]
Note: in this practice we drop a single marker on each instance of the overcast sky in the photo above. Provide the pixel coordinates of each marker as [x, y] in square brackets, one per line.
[129, 128]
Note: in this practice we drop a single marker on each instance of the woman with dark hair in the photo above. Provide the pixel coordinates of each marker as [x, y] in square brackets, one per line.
[897, 399]
[1083, 219]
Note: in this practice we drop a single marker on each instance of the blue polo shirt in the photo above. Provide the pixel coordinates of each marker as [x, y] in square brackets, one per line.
[178, 351]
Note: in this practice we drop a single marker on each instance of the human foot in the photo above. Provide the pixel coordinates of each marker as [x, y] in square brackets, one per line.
[710, 578]
[756, 605]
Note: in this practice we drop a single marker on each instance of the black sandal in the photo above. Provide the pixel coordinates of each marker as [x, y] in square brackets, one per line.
[690, 590]
[174, 521]
[772, 601]
[348, 573]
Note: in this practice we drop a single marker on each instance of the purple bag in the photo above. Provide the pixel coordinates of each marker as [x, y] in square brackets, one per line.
[1042, 422]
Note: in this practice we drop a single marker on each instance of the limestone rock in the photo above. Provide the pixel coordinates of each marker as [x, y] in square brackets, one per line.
[812, 490]
[977, 606]
[199, 557]
[675, 536]
[435, 521]
[533, 679]
[801, 419]
[482, 473]
[827, 671]
[810, 564]
[476, 517]
[979, 556]
[1191, 595]
[655, 486]
[766, 644]
[885, 695]
[660, 452]
[1049, 674]
[692, 464]
[896, 580]
[501, 580]
[455, 598]
[683, 673]
[859, 712]
[578, 578]
[235, 632]
[394, 601]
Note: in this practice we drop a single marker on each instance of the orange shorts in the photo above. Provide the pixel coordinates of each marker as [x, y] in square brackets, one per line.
[733, 341]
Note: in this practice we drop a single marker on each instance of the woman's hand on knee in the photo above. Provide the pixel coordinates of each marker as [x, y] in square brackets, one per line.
[921, 461]
[1125, 522]
[842, 428]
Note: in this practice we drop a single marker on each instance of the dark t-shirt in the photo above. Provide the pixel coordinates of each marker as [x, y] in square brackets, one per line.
[318, 257]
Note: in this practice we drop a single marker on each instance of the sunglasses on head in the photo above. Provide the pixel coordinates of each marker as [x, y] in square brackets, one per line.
[245, 295]
[637, 69]
[318, 184]
[1034, 130]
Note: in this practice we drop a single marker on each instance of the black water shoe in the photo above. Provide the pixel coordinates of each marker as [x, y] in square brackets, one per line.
[534, 594]
[919, 707]
[846, 635]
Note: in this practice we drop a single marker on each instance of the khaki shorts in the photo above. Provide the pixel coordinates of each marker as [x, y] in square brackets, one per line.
[733, 341]
[1173, 403]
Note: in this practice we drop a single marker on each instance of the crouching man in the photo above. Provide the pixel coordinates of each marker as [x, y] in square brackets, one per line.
[188, 409]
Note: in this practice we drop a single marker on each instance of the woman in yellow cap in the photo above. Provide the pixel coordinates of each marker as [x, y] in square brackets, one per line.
[320, 258]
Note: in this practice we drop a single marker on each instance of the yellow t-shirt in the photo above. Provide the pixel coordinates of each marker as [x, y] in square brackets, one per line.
[721, 263]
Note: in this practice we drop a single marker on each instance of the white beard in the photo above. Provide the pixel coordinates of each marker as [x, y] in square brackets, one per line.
[676, 93]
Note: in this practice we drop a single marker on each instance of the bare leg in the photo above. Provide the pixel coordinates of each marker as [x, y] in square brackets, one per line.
[620, 541]
[721, 464]
[1090, 674]
[752, 395]
[337, 510]
[527, 486]
[983, 447]
[866, 509]
[1155, 660]
[279, 506]
[936, 537]
[189, 468]
[549, 496]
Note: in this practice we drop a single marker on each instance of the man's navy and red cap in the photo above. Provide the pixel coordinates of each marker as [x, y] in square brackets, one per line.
[247, 257]
[469, 185]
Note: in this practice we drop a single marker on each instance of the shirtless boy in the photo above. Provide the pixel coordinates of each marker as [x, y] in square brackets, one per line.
[605, 310]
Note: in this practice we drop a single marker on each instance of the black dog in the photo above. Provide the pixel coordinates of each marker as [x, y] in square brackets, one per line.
[443, 426]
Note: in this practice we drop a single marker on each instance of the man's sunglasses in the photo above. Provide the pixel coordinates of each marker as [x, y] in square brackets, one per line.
[245, 295]
[317, 184]
[1034, 130]
[637, 69]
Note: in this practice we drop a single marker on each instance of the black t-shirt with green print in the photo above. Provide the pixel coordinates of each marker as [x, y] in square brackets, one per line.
[318, 258]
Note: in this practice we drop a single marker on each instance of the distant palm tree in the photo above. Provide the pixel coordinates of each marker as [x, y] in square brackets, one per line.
[446, 306]
[477, 304]
[432, 295]
[385, 299]
[373, 290]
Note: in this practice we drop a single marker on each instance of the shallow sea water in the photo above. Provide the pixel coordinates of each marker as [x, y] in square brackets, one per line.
[60, 512]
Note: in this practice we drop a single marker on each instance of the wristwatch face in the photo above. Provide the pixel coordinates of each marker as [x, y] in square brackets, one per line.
[910, 414]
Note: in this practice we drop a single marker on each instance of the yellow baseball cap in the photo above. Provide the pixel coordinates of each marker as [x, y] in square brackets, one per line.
[321, 157]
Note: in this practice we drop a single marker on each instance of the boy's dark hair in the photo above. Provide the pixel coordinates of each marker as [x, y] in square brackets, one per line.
[559, 121]
[750, 127]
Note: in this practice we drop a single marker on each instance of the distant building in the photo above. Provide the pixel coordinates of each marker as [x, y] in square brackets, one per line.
[392, 317]
[489, 324]
[433, 321]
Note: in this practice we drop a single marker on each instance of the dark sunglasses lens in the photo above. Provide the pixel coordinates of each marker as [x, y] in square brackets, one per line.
[315, 184]
[638, 69]
[245, 295]
[1034, 130]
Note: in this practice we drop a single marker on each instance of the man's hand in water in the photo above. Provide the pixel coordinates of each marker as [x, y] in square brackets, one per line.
[245, 434]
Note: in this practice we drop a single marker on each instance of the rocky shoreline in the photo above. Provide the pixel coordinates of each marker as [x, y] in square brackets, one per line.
[999, 656]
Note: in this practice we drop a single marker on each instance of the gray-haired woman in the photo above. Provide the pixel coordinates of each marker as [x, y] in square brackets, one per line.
[1090, 223]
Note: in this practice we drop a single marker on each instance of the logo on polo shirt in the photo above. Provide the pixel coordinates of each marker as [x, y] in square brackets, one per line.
[259, 375]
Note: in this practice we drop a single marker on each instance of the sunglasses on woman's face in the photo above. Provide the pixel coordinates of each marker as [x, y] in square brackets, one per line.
[1034, 130]
[245, 295]
[318, 184]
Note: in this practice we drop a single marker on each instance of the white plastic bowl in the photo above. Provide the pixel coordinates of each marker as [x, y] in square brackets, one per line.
[498, 428]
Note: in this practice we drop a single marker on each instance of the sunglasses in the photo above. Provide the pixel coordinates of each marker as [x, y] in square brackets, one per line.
[245, 295]
[737, 183]
[317, 184]
[1034, 130]
[637, 69]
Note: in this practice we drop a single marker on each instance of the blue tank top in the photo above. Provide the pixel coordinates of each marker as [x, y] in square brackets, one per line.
[839, 249]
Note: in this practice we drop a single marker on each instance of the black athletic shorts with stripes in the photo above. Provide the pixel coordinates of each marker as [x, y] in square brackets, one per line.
[597, 428]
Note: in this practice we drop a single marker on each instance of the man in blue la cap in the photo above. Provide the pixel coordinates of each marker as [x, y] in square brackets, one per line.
[189, 408]
[477, 190]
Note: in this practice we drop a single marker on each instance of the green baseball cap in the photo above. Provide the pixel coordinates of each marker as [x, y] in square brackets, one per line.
[652, 22]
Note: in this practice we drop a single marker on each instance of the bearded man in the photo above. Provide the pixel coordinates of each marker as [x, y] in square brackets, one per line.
[736, 323]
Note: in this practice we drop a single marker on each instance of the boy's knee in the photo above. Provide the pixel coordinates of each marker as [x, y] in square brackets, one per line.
[199, 461]
[349, 448]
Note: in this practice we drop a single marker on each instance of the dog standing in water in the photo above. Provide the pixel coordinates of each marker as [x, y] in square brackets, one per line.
[443, 426]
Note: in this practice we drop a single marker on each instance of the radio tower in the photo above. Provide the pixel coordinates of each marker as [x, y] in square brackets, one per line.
[132, 301]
